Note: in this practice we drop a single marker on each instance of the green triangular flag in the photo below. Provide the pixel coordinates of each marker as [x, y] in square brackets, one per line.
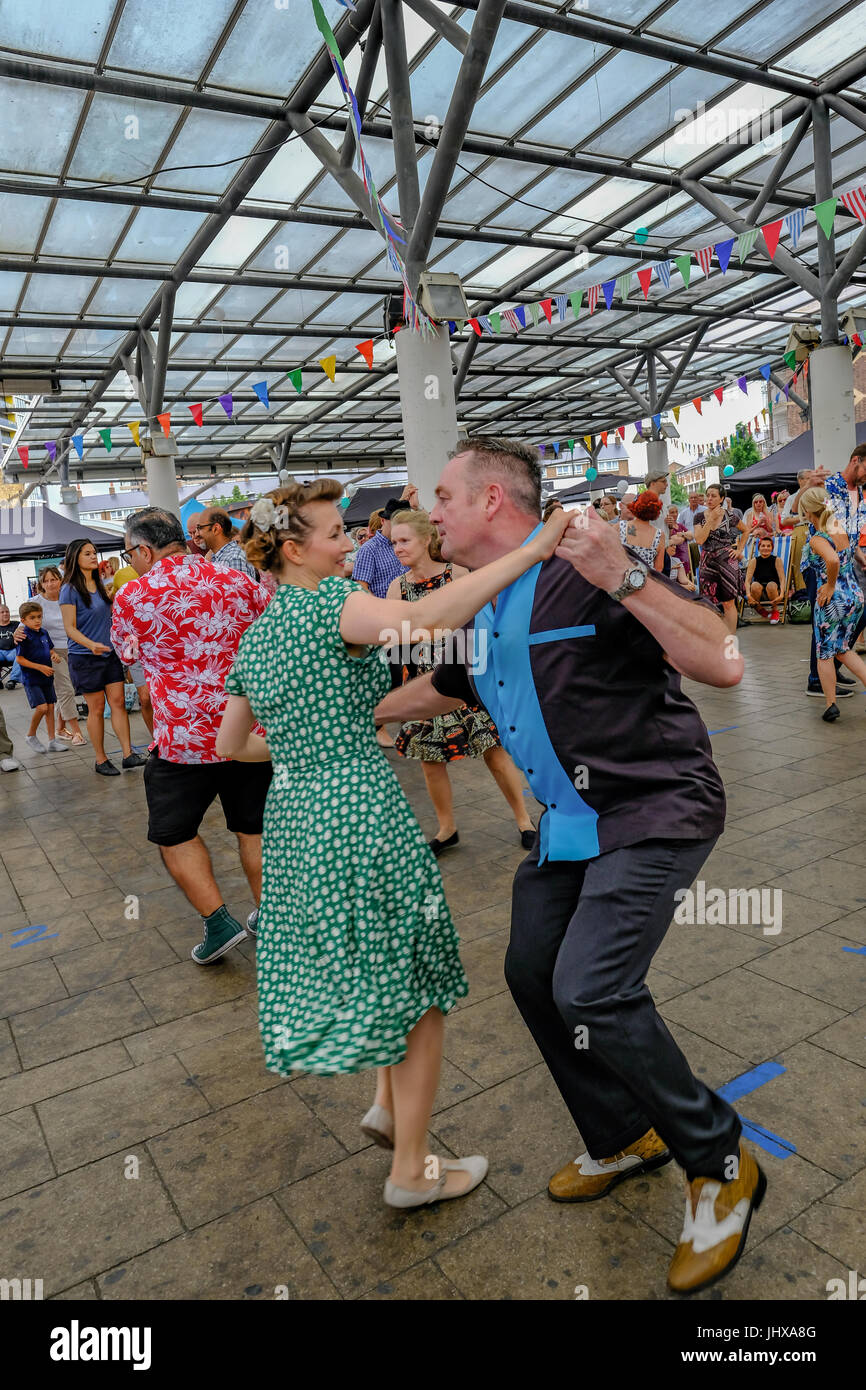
[791, 359]
[571, 445]
[745, 243]
[825, 213]
[295, 378]
[623, 284]
[684, 266]
[533, 309]
[496, 322]
[105, 436]
[461, 324]
[770, 404]
[576, 300]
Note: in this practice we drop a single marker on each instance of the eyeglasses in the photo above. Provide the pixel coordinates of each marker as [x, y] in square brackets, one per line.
[126, 555]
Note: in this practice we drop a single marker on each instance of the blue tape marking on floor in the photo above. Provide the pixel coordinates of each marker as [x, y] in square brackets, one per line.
[726, 730]
[855, 950]
[750, 1081]
[766, 1139]
[743, 1086]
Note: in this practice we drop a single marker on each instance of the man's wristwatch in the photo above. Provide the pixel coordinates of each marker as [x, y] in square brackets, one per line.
[633, 581]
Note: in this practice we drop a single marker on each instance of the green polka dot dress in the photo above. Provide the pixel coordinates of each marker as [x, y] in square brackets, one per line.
[355, 939]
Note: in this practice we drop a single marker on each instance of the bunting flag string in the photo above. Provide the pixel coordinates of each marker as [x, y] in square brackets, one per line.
[705, 258]
[794, 223]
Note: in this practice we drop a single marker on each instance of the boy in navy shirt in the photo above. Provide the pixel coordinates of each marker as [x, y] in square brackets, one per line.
[37, 657]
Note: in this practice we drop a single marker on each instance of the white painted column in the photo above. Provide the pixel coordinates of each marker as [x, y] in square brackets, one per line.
[831, 395]
[68, 504]
[428, 407]
[162, 488]
[657, 462]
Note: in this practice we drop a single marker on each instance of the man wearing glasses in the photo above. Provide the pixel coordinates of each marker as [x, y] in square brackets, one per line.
[215, 530]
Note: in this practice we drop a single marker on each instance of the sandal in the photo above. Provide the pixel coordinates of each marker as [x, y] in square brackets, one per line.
[75, 742]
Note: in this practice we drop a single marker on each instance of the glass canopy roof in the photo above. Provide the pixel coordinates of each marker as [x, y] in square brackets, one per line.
[144, 142]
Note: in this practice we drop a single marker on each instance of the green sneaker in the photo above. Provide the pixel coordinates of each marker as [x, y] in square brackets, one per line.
[221, 933]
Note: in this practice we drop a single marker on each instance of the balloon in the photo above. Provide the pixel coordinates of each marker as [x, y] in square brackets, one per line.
[592, 474]
[641, 236]
[344, 502]
[728, 470]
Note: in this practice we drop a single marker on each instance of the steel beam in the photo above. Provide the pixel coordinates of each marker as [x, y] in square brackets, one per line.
[684, 361]
[844, 272]
[445, 27]
[637, 396]
[400, 101]
[783, 259]
[324, 151]
[166, 317]
[369, 63]
[852, 113]
[777, 380]
[778, 169]
[450, 143]
[465, 364]
[823, 157]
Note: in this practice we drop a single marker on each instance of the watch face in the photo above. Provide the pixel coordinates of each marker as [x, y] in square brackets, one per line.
[636, 578]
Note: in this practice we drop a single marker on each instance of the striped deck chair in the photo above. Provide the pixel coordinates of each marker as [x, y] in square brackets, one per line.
[782, 546]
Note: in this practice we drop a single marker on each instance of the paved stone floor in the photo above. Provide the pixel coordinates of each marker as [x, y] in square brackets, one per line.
[115, 1046]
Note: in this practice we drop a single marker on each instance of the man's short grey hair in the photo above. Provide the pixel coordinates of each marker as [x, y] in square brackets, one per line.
[803, 473]
[155, 527]
[516, 465]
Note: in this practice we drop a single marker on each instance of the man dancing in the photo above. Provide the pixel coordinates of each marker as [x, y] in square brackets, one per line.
[580, 669]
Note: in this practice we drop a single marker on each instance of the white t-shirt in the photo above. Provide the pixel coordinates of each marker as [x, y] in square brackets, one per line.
[52, 621]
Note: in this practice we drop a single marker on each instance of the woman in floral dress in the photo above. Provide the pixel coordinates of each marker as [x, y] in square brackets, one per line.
[718, 535]
[468, 732]
[839, 600]
[357, 957]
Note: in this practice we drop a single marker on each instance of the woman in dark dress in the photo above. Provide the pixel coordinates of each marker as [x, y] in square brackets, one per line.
[721, 538]
[468, 732]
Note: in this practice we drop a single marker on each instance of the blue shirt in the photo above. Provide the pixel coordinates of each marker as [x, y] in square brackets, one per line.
[852, 517]
[376, 565]
[94, 621]
[35, 647]
[586, 704]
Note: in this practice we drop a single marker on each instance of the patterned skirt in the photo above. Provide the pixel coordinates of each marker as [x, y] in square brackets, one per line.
[467, 732]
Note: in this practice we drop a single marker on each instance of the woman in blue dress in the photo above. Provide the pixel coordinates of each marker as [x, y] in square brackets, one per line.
[839, 602]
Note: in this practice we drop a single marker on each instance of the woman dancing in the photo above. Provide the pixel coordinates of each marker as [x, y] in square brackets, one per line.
[717, 533]
[357, 955]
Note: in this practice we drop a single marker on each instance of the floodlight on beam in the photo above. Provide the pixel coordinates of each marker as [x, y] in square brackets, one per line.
[670, 432]
[802, 338]
[440, 295]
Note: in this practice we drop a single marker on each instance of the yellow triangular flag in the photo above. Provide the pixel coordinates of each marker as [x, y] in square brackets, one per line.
[133, 427]
[329, 366]
[587, 439]
[677, 414]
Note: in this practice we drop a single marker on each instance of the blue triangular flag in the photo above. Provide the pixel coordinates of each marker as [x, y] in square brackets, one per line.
[452, 326]
[608, 287]
[723, 253]
[561, 306]
[485, 323]
[521, 315]
[657, 419]
[78, 441]
[261, 390]
[765, 373]
[555, 443]
[663, 270]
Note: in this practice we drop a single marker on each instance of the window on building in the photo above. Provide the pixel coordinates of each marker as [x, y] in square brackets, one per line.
[564, 470]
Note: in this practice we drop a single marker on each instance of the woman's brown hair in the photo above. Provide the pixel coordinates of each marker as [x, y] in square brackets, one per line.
[48, 569]
[263, 548]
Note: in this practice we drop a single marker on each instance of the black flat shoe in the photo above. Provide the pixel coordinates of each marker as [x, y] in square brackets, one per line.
[107, 769]
[134, 760]
[527, 838]
[831, 714]
[439, 846]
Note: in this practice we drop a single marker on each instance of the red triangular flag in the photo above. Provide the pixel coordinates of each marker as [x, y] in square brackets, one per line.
[604, 439]
[697, 404]
[476, 325]
[620, 429]
[366, 351]
[24, 454]
[547, 306]
[772, 232]
[856, 340]
[165, 421]
[718, 393]
[196, 411]
[645, 276]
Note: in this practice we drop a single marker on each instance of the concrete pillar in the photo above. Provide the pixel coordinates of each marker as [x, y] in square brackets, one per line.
[657, 462]
[831, 392]
[427, 405]
[162, 488]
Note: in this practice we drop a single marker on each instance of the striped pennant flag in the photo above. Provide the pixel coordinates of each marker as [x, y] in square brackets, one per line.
[561, 306]
[745, 243]
[705, 258]
[623, 285]
[510, 317]
[663, 269]
[855, 202]
[485, 323]
[794, 223]
[592, 297]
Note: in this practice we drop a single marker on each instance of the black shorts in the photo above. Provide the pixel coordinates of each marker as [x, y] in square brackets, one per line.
[90, 674]
[40, 691]
[179, 794]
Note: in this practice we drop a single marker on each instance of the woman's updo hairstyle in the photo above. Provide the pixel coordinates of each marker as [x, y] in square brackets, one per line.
[815, 504]
[423, 527]
[646, 506]
[278, 517]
